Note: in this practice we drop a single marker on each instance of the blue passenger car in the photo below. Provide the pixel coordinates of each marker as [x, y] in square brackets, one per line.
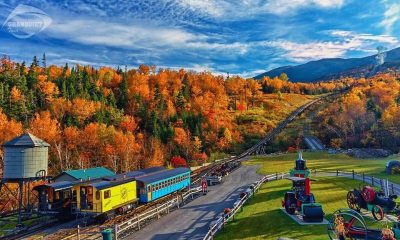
[162, 183]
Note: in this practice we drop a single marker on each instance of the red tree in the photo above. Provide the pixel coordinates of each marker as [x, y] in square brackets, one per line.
[178, 161]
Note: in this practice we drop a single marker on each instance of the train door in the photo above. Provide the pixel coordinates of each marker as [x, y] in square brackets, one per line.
[43, 199]
[86, 197]
[149, 188]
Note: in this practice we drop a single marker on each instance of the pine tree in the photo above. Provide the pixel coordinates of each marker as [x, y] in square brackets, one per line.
[44, 61]
[32, 75]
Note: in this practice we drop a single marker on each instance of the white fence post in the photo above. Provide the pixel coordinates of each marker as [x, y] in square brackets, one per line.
[115, 232]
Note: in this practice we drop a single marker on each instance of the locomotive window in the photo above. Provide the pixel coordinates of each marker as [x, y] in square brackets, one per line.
[107, 194]
[98, 195]
[148, 188]
[67, 194]
[57, 196]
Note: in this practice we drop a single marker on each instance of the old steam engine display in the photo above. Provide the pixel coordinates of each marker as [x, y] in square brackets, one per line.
[376, 202]
[300, 199]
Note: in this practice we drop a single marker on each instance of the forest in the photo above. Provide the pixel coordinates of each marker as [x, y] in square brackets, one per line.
[367, 116]
[127, 119]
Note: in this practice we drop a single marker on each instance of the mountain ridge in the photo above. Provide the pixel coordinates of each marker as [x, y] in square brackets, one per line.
[331, 68]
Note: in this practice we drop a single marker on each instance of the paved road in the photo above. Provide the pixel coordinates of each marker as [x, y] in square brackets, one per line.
[193, 220]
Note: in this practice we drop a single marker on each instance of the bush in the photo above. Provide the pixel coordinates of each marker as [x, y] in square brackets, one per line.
[178, 161]
[200, 158]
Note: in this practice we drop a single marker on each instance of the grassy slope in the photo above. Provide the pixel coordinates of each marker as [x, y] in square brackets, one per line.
[256, 122]
[323, 160]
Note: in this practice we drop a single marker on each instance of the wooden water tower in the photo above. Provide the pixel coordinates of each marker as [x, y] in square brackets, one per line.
[25, 161]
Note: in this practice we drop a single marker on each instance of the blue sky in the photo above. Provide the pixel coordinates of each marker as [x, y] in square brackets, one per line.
[243, 37]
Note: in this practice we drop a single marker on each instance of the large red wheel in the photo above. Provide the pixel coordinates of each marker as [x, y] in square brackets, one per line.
[347, 224]
[288, 207]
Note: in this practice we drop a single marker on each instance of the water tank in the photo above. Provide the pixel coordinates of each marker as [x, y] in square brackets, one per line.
[25, 157]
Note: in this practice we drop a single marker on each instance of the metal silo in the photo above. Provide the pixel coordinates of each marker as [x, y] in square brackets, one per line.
[25, 157]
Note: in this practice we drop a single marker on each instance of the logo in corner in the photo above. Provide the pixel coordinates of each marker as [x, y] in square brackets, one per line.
[25, 21]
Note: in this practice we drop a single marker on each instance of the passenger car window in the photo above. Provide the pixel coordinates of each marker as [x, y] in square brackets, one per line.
[107, 194]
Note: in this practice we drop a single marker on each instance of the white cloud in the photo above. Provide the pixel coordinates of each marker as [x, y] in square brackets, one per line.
[130, 36]
[347, 41]
[391, 16]
[300, 52]
[366, 37]
[248, 8]
[288, 6]
[208, 7]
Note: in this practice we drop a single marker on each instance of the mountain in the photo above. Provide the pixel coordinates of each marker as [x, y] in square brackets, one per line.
[331, 68]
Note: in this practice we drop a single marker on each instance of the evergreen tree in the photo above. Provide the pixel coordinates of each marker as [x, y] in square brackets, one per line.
[44, 61]
[32, 75]
[123, 97]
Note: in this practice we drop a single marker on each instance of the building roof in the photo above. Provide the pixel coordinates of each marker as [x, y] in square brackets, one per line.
[58, 185]
[103, 184]
[26, 140]
[157, 176]
[90, 173]
[134, 174]
[61, 185]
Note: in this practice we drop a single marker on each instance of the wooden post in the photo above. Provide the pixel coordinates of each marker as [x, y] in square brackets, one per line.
[392, 189]
[337, 172]
[115, 232]
[276, 174]
[353, 173]
[372, 180]
[78, 233]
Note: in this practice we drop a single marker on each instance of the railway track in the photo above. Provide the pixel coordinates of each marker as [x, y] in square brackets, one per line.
[197, 175]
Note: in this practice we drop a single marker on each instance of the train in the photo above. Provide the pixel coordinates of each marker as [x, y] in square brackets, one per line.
[106, 196]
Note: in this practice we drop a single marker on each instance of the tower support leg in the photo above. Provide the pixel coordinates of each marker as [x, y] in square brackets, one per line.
[21, 184]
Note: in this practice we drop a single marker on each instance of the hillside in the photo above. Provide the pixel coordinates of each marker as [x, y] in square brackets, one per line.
[331, 68]
[136, 118]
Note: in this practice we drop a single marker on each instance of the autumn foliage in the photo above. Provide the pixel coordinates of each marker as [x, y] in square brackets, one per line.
[127, 119]
[177, 161]
[367, 116]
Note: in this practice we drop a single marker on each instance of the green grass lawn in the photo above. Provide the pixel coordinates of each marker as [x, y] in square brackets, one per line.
[8, 224]
[262, 218]
[326, 161]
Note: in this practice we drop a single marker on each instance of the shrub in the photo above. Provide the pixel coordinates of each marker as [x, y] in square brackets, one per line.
[178, 161]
